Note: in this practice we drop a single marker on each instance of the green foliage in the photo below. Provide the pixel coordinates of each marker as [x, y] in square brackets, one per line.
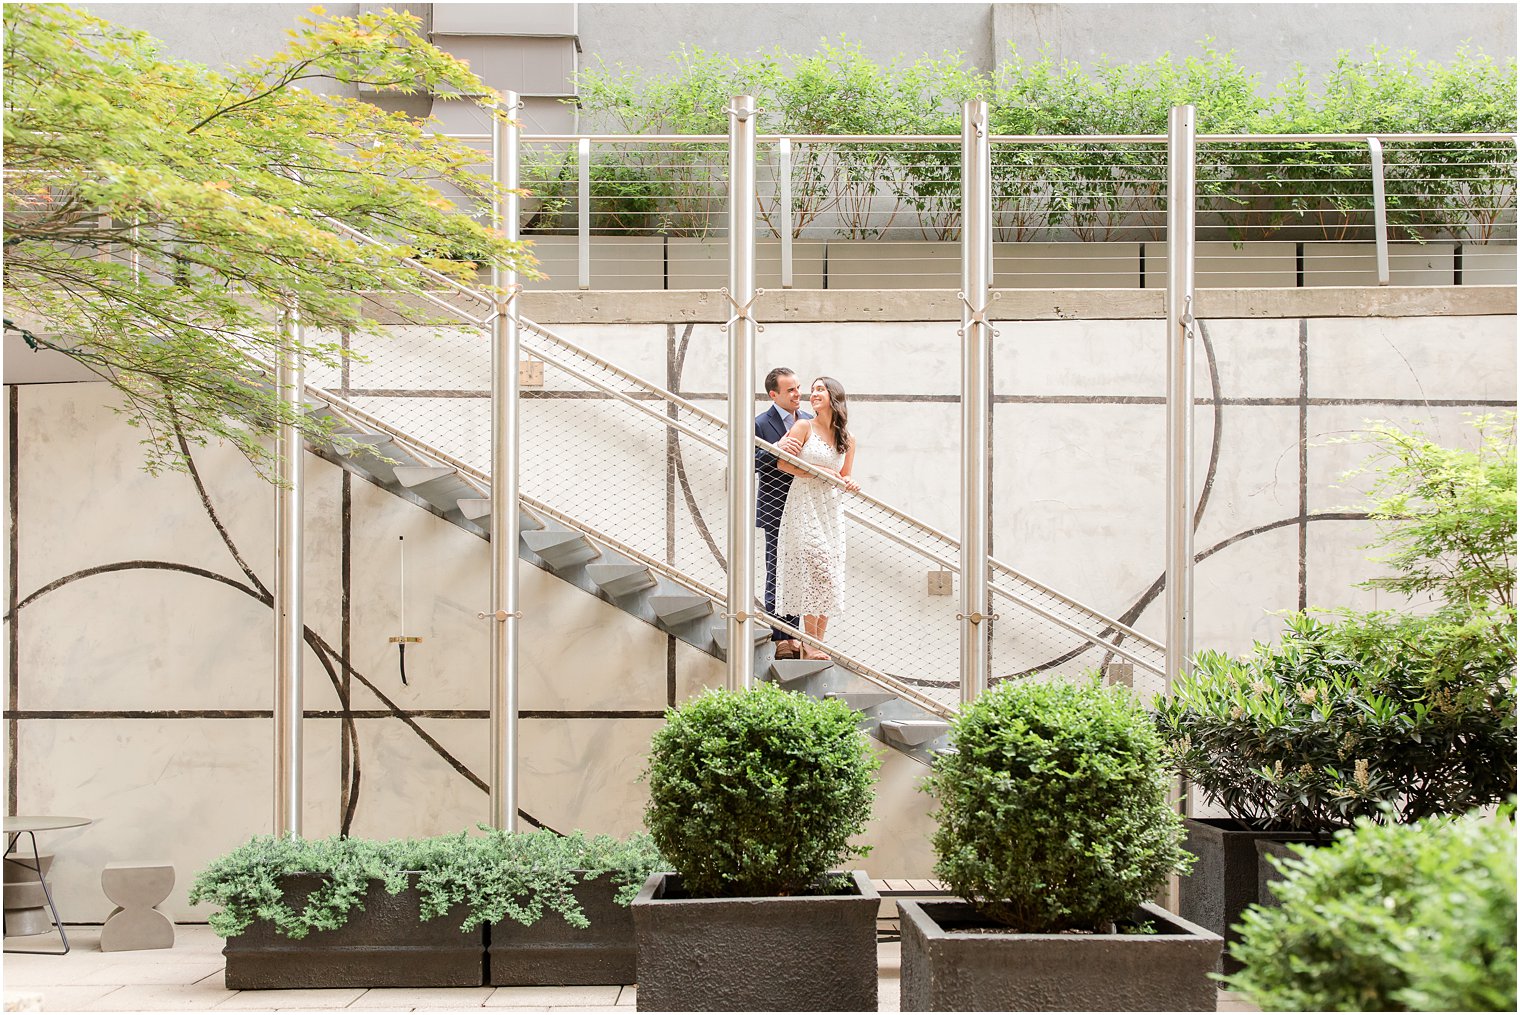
[496, 876]
[1041, 191]
[1053, 809]
[1403, 918]
[1447, 514]
[1372, 716]
[758, 792]
[225, 190]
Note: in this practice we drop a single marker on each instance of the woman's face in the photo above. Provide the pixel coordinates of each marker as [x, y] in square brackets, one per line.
[819, 397]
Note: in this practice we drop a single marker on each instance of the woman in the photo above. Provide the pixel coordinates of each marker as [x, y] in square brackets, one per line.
[810, 548]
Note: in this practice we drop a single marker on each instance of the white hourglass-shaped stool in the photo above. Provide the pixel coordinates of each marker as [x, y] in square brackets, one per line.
[135, 924]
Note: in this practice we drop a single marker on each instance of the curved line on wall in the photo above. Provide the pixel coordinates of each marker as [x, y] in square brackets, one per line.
[680, 459]
[1149, 596]
[349, 732]
[312, 639]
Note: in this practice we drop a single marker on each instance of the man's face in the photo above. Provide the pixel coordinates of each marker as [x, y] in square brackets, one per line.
[788, 394]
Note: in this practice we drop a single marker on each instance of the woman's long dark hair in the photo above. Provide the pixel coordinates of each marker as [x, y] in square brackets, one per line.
[839, 404]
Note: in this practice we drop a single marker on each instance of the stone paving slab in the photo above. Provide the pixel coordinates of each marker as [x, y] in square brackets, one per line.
[189, 977]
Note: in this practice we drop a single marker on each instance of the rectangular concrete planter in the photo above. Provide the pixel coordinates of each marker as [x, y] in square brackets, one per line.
[948, 965]
[703, 264]
[799, 953]
[894, 264]
[1220, 264]
[1356, 264]
[1266, 874]
[1224, 880]
[386, 944]
[553, 953]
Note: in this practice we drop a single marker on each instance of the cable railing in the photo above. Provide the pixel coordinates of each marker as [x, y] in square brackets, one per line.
[642, 212]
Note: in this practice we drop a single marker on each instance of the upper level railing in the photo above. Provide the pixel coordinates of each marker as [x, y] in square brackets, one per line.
[879, 211]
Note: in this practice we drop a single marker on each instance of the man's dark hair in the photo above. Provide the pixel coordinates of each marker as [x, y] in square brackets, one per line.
[773, 379]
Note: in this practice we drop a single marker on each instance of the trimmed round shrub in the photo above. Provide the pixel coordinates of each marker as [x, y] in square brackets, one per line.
[758, 792]
[1399, 918]
[1053, 809]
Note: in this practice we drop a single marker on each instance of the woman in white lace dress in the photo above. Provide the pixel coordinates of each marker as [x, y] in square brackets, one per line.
[810, 548]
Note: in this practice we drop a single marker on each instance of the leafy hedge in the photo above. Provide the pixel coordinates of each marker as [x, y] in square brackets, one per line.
[1095, 191]
[1373, 716]
[496, 876]
[1401, 918]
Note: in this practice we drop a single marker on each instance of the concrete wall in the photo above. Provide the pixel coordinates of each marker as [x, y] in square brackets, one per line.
[141, 675]
[1267, 38]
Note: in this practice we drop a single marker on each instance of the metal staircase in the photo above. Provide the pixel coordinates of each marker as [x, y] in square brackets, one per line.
[594, 529]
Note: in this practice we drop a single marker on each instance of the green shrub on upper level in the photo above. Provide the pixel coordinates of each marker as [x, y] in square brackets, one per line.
[758, 792]
[1053, 808]
[1433, 190]
[1403, 918]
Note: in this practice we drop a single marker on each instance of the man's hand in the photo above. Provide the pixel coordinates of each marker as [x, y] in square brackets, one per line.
[790, 445]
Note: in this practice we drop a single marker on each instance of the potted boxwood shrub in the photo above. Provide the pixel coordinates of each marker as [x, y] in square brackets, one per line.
[1378, 716]
[1054, 828]
[754, 797]
[1390, 918]
[347, 912]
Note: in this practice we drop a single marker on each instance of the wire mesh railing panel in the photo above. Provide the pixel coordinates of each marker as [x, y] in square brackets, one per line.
[884, 623]
[1040, 632]
[430, 382]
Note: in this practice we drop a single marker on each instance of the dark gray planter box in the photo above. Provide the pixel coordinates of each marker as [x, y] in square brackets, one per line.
[1266, 874]
[553, 953]
[947, 965]
[799, 953]
[386, 944]
[1224, 880]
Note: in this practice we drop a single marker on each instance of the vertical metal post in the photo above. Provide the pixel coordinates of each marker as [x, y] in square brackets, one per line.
[289, 624]
[976, 346]
[784, 213]
[741, 393]
[1379, 209]
[1181, 232]
[505, 352]
[583, 209]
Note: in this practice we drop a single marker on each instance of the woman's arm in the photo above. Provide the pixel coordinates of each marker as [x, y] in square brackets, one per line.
[799, 433]
[849, 466]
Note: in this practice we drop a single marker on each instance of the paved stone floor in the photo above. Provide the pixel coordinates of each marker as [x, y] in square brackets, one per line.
[188, 977]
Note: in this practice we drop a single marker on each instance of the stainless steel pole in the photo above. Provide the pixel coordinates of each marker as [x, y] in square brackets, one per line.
[741, 393]
[1181, 232]
[505, 353]
[289, 625]
[976, 346]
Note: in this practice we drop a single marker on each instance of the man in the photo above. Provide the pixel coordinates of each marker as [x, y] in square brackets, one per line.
[772, 486]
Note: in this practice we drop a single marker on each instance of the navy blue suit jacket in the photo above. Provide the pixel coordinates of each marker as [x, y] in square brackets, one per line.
[772, 484]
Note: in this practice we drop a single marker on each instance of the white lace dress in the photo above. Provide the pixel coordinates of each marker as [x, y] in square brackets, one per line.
[810, 549]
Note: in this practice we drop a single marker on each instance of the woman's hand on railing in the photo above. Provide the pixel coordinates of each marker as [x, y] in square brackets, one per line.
[850, 485]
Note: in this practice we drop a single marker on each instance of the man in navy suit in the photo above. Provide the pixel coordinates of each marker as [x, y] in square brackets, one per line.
[772, 486]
